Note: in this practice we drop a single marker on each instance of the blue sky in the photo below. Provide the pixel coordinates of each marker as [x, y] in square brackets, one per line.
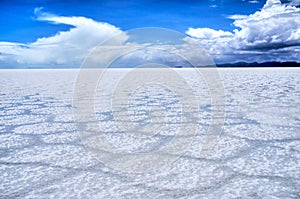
[245, 26]
[177, 15]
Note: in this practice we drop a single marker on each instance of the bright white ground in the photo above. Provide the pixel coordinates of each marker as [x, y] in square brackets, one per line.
[257, 154]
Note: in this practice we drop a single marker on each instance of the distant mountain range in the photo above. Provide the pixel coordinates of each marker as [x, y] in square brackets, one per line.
[264, 64]
[226, 65]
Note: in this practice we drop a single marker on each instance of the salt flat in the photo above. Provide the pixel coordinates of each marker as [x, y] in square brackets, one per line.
[257, 154]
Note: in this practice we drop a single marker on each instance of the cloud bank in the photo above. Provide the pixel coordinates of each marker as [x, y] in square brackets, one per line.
[271, 34]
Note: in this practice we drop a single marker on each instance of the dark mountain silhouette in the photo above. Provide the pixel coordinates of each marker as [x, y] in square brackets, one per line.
[263, 64]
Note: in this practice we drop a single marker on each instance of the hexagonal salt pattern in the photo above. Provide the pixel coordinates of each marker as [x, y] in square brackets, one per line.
[256, 156]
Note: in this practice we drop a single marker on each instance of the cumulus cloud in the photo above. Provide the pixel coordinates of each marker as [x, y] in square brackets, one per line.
[275, 26]
[64, 48]
[273, 33]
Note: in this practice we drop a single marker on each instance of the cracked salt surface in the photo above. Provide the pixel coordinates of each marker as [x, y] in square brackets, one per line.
[256, 156]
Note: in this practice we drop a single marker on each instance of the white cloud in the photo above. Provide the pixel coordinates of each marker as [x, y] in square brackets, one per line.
[64, 48]
[207, 33]
[275, 26]
[254, 1]
[262, 35]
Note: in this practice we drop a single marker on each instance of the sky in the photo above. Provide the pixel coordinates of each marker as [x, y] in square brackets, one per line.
[49, 33]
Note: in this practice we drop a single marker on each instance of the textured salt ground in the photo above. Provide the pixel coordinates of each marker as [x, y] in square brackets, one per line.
[256, 156]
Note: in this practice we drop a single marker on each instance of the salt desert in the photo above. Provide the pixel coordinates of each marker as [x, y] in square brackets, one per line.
[256, 155]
